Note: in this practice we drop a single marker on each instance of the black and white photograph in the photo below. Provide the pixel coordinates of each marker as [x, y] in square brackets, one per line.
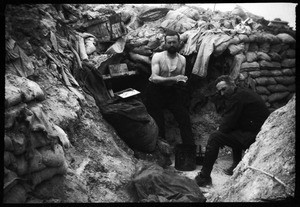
[150, 103]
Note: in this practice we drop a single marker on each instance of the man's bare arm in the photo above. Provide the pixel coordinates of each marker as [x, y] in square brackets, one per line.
[156, 78]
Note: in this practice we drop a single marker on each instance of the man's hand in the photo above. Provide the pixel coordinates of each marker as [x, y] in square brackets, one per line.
[182, 78]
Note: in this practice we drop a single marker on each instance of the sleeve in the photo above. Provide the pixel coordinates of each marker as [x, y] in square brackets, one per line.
[231, 116]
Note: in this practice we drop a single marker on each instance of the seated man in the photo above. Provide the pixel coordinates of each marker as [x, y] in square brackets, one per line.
[167, 88]
[244, 114]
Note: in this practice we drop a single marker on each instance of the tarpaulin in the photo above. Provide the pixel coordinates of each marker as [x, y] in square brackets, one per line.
[209, 41]
[155, 184]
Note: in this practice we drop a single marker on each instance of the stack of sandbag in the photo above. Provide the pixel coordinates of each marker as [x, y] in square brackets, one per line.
[270, 62]
[33, 149]
[178, 21]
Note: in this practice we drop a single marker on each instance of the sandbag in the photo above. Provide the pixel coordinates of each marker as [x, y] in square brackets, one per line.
[19, 142]
[178, 22]
[234, 41]
[10, 160]
[12, 113]
[276, 47]
[189, 12]
[277, 88]
[252, 38]
[40, 176]
[132, 122]
[263, 81]
[255, 74]
[269, 65]
[13, 95]
[275, 56]
[292, 88]
[287, 72]
[17, 194]
[235, 49]
[247, 46]
[246, 66]
[142, 50]
[290, 53]
[277, 96]
[251, 56]
[265, 73]
[139, 41]
[30, 89]
[253, 47]
[262, 90]
[288, 63]
[236, 65]
[8, 145]
[264, 47]
[271, 38]
[52, 158]
[243, 38]
[139, 58]
[284, 47]
[263, 56]
[34, 164]
[285, 80]
[286, 38]
[264, 97]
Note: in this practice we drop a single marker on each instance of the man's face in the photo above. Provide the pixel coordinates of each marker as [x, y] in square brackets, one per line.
[224, 89]
[172, 44]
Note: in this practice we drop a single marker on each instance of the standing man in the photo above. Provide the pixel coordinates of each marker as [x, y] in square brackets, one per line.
[167, 88]
[245, 112]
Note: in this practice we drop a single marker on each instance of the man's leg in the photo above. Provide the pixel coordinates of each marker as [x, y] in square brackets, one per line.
[216, 140]
[154, 104]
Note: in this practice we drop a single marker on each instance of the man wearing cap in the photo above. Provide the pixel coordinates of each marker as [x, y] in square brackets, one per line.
[244, 114]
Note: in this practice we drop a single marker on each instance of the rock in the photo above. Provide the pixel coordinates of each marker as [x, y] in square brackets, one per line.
[250, 181]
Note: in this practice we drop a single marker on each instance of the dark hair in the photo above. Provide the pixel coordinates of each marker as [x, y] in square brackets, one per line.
[228, 80]
[172, 33]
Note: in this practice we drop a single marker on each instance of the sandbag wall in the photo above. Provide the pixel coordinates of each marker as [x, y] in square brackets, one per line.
[32, 151]
[265, 63]
[270, 62]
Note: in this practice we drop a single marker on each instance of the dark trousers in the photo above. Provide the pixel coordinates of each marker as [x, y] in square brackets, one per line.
[174, 98]
[238, 140]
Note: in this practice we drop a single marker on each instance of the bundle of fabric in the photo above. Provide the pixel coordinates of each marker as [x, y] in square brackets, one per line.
[154, 184]
[132, 122]
[178, 22]
[17, 62]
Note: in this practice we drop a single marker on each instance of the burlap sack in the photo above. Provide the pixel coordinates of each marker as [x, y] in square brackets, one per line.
[285, 80]
[275, 56]
[262, 90]
[246, 66]
[292, 88]
[276, 47]
[263, 56]
[52, 158]
[264, 47]
[253, 47]
[254, 74]
[235, 49]
[272, 65]
[8, 145]
[277, 96]
[277, 88]
[12, 113]
[287, 72]
[286, 38]
[288, 63]
[243, 38]
[290, 53]
[263, 81]
[251, 56]
[271, 38]
[264, 97]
